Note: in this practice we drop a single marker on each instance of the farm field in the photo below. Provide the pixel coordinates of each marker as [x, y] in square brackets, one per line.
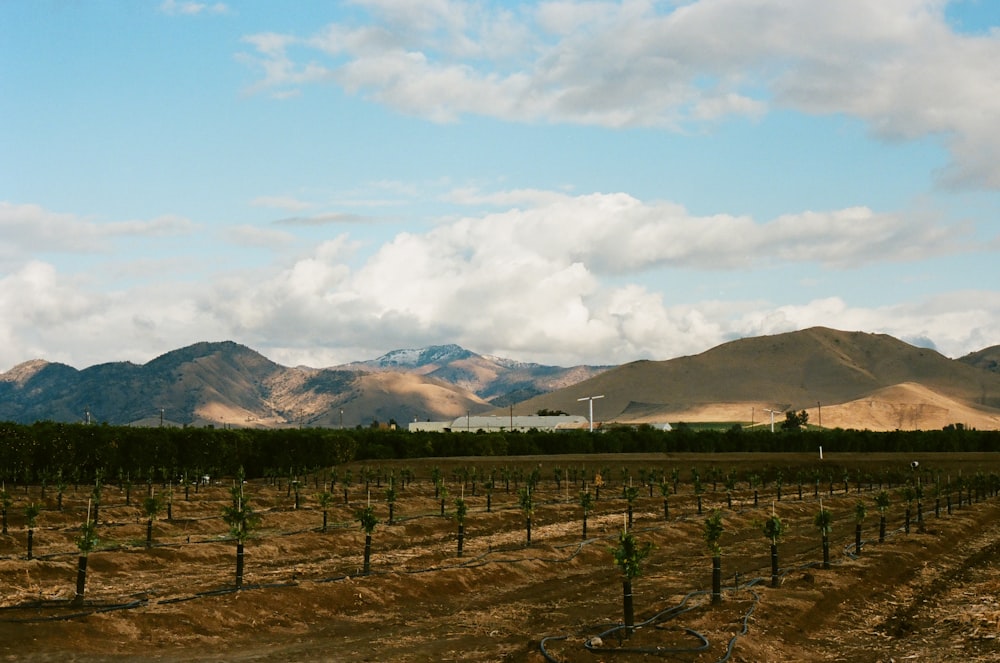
[931, 594]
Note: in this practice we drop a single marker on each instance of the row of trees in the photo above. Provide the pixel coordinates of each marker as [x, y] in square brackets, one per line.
[76, 452]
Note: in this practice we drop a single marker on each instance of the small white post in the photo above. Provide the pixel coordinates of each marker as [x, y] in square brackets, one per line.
[821, 452]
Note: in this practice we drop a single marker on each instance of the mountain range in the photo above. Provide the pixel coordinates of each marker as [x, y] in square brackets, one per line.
[226, 383]
[845, 379]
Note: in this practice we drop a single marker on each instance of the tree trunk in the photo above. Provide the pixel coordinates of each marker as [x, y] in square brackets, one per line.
[149, 533]
[239, 565]
[699, 507]
[716, 580]
[368, 554]
[528, 527]
[628, 609]
[630, 516]
[906, 521]
[81, 580]
[881, 528]
[774, 565]
[324, 519]
[461, 538]
[489, 502]
[826, 551]
[392, 509]
[31, 537]
[584, 537]
[4, 515]
[857, 539]
[666, 509]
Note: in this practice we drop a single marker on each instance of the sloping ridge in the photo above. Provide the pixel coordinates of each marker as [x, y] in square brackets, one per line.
[738, 380]
[223, 384]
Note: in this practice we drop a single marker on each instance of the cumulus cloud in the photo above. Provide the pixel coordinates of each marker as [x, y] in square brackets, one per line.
[897, 65]
[558, 281]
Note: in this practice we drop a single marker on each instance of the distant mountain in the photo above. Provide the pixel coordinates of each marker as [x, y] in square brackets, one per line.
[495, 379]
[846, 379]
[820, 370]
[223, 384]
[230, 384]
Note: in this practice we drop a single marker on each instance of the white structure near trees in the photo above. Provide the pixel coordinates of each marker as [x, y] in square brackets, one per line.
[501, 423]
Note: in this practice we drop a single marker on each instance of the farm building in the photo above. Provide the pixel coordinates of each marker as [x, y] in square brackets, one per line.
[501, 423]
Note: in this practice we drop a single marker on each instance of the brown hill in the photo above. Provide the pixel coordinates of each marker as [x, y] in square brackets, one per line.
[814, 369]
[224, 384]
[987, 359]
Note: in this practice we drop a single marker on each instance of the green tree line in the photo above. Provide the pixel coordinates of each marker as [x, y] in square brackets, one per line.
[79, 452]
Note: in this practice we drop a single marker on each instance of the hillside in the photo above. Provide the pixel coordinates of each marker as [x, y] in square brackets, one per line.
[500, 381]
[987, 359]
[223, 384]
[845, 379]
[824, 371]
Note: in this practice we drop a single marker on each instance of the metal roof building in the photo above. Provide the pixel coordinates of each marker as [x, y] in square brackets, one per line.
[500, 423]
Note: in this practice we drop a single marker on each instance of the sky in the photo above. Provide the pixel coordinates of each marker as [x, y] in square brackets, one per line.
[558, 182]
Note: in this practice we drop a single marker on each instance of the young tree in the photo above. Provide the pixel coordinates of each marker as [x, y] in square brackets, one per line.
[628, 558]
[366, 517]
[665, 492]
[907, 493]
[773, 529]
[882, 502]
[390, 498]
[242, 520]
[31, 515]
[461, 509]
[729, 481]
[325, 500]
[713, 532]
[860, 512]
[587, 503]
[151, 506]
[488, 486]
[5, 503]
[60, 489]
[824, 522]
[527, 504]
[631, 494]
[86, 544]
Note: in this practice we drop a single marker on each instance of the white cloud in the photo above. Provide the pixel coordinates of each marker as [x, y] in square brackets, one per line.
[29, 228]
[281, 202]
[897, 65]
[559, 281]
[186, 8]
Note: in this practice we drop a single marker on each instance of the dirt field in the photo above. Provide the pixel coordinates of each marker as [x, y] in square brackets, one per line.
[931, 595]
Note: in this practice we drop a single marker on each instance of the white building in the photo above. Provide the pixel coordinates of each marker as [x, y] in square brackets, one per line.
[501, 423]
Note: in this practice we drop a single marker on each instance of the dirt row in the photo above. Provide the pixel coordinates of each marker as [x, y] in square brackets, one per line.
[928, 594]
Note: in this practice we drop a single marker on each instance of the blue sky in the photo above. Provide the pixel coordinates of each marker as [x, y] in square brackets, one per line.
[560, 182]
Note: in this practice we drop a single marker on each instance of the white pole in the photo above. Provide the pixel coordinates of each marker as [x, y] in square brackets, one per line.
[591, 399]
